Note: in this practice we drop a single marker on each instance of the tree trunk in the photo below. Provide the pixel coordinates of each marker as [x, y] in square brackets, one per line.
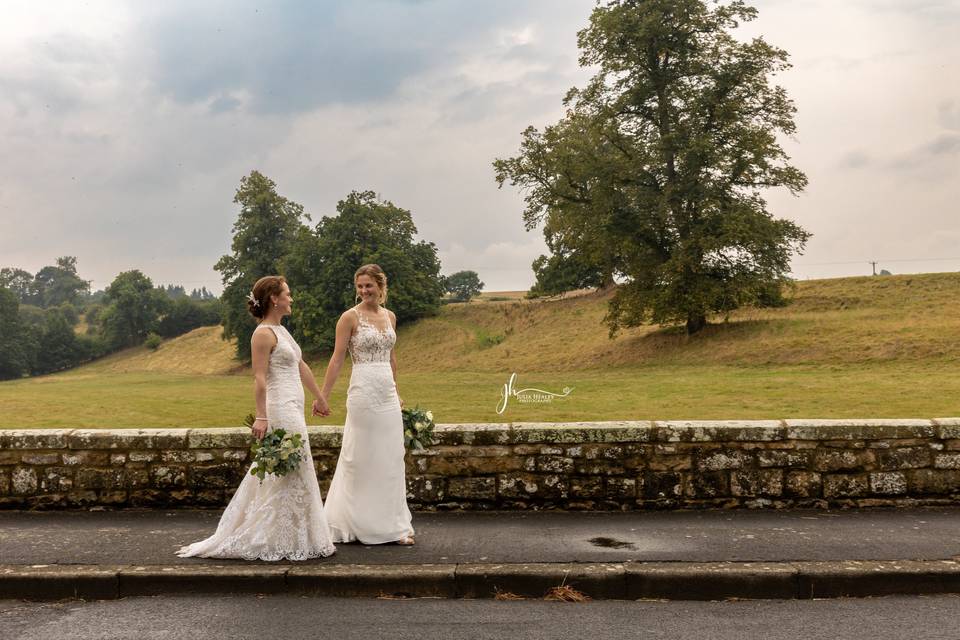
[695, 322]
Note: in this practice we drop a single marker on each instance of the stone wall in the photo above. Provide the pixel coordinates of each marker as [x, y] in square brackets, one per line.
[599, 465]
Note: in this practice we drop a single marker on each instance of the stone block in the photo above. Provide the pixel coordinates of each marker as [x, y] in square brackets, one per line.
[519, 485]
[858, 429]
[726, 459]
[719, 431]
[82, 439]
[948, 428]
[167, 477]
[598, 468]
[244, 454]
[219, 438]
[905, 458]
[484, 488]
[86, 458]
[888, 483]
[94, 478]
[947, 461]
[33, 438]
[933, 481]
[661, 485]
[137, 478]
[425, 489]
[177, 455]
[844, 485]
[23, 481]
[55, 479]
[708, 484]
[803, 484]
[667, 463]
[554, 464]
[40, 458]
[118, 459]
[762, 482]
[621, 488]
[215, 476]
[839, 460]
[783, 458]
[4, 483]
[10, 456]
[142, 456]
[586, 487]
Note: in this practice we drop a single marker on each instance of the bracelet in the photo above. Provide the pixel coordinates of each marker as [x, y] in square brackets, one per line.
[264, 419]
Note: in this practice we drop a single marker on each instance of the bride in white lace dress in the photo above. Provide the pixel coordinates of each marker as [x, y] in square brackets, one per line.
[280, 518]
[367, 500]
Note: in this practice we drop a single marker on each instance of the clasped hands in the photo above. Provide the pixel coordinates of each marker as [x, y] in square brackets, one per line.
[320, 407]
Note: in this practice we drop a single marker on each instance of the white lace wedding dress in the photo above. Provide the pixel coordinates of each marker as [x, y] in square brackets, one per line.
[280, 518]
[367, 500]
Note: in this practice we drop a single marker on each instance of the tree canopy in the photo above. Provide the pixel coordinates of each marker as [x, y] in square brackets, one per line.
[655, 175]
[263, 235]
[323, 261]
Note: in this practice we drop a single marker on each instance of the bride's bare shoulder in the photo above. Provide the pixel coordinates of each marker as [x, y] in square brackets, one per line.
[349, 316]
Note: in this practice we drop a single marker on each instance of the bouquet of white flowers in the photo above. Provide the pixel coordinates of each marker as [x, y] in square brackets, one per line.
[278, 453]
[417, 428]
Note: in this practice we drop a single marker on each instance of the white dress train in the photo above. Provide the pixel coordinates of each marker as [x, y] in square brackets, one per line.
[367, 500]
[281, 518]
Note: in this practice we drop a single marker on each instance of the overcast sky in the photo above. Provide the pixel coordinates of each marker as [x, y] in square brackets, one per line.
[126, 126]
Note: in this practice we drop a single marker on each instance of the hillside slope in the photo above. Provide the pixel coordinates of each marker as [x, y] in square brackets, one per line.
[838, 321]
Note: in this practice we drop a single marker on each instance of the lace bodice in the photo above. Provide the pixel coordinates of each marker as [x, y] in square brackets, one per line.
[369, 343]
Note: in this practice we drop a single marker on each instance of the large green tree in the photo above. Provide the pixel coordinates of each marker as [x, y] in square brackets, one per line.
[655, 176]
[20, 282]
[133, 309]
[55, 284]
[463, 285]
[14, 348]
[263, 235]
[323, 262]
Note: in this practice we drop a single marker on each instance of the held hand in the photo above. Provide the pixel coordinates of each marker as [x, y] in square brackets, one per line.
[259, 429]
[320, 407]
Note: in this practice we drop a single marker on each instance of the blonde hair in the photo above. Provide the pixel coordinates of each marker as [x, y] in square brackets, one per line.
[375, 272]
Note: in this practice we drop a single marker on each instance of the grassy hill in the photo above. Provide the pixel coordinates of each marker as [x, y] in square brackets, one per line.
[872, 346]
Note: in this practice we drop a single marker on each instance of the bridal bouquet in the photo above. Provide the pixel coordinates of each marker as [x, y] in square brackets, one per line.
[278, 453]
[417, 428]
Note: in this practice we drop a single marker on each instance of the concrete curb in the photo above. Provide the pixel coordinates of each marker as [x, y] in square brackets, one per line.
[600, 581]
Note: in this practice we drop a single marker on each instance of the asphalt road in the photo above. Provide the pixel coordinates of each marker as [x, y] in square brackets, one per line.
[151, 537]
[288, 617]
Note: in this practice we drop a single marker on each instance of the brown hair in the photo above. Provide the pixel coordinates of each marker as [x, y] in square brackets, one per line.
[375, 272]
[258, 304]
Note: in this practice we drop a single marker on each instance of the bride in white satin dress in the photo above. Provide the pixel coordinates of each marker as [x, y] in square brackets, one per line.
[367, 500]
[280, 518]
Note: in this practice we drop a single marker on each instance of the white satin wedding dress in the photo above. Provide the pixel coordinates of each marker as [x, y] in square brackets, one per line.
[282, 518]
[367, 500]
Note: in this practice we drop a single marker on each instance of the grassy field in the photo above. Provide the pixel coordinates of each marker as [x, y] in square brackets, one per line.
[851, 347]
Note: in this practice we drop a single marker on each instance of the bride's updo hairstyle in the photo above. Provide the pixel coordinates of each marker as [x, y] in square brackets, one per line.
[258, 303]
[375, 272]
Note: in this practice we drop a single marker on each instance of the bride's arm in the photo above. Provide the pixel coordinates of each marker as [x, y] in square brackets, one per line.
[306, 376]
[261, 344]
[344, 330]
[393, 357]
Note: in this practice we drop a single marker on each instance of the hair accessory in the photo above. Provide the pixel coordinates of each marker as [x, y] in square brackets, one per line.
[252, 299]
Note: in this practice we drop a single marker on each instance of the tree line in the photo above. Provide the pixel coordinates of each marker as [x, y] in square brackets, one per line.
[40, 315]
